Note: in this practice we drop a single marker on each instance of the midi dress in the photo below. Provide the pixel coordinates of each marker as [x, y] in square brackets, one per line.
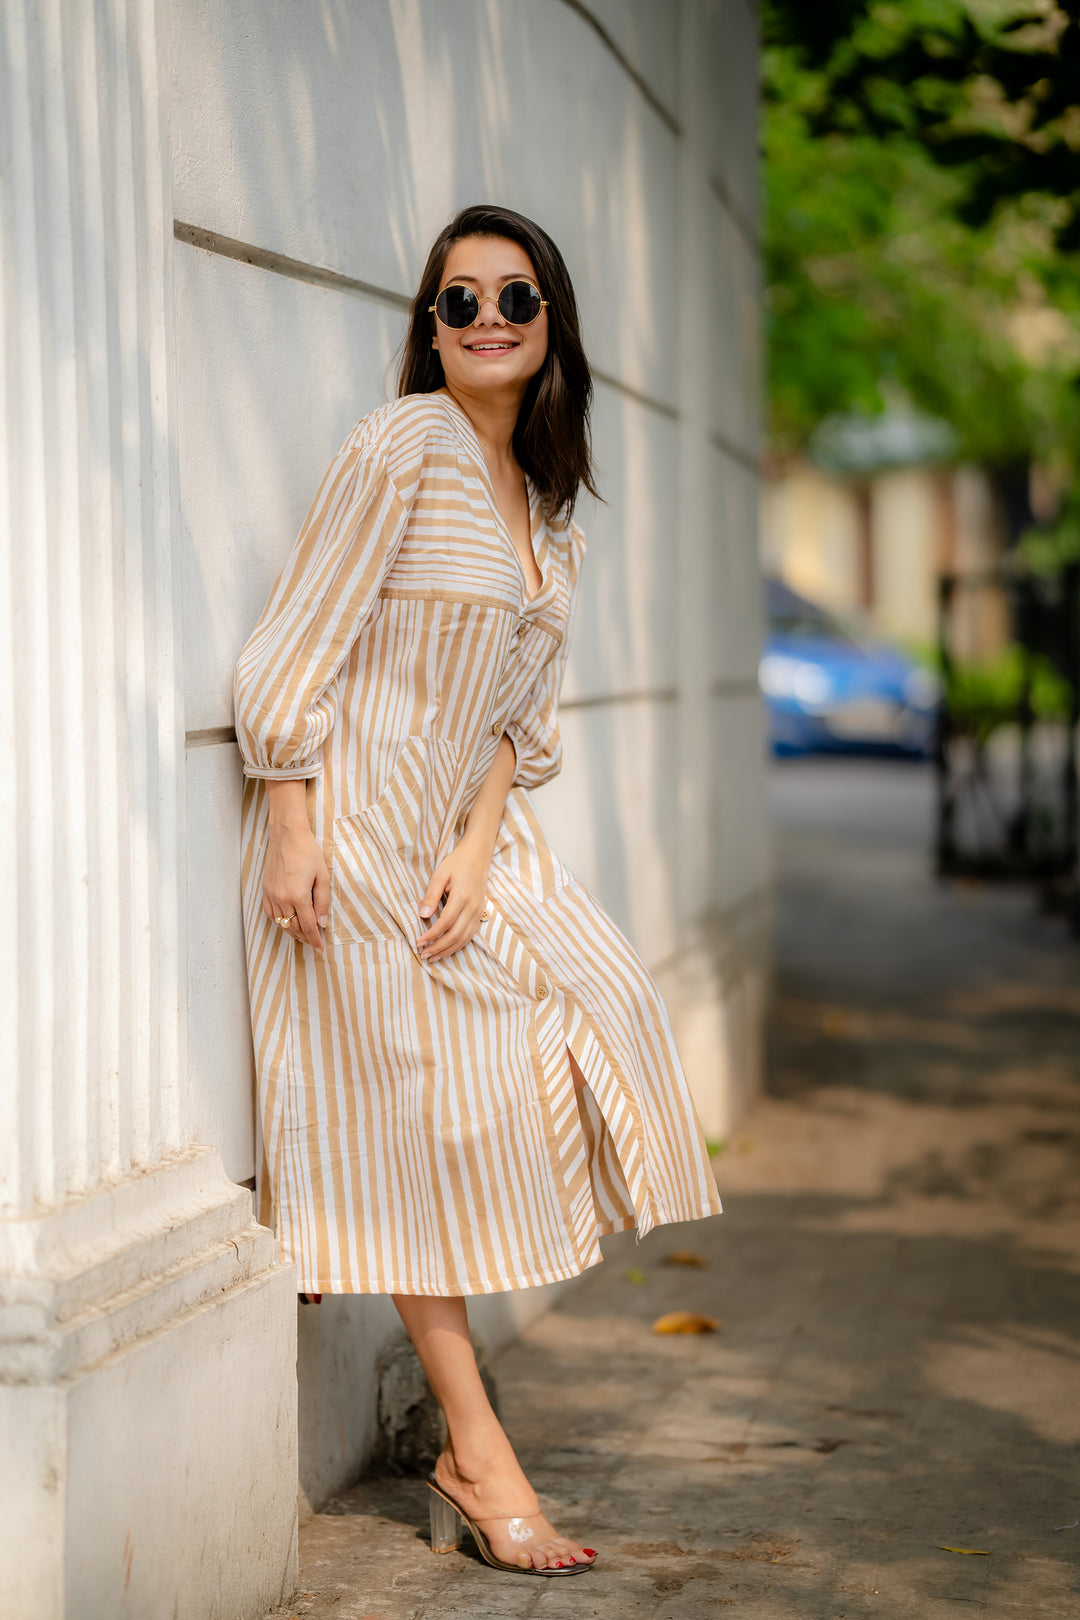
[418, 1126]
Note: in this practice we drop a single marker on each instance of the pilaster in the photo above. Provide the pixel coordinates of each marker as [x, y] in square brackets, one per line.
[147, 1333]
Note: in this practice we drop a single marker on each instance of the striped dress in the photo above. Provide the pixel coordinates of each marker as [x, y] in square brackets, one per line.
[419, 1130]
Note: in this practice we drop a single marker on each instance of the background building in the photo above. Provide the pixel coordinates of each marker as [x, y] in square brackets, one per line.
[874, 546]
[213, 215]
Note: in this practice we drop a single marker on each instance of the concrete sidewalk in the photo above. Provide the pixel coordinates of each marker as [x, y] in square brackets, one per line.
[897, 1369]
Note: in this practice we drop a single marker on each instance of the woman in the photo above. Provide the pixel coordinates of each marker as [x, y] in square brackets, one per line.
[466, 1076]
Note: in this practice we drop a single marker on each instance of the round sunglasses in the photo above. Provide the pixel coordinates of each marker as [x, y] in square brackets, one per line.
[519, 303]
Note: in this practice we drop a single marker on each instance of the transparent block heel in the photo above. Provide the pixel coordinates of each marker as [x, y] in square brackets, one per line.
[446, 1524]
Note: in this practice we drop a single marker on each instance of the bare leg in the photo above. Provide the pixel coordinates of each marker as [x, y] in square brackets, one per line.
[478, 1467]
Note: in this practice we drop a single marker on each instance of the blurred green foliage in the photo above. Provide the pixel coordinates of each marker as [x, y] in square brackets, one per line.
[923, 204]
[1046, 549]
[983, 697]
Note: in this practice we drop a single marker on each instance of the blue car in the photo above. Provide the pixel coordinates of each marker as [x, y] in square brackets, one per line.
[825, 691]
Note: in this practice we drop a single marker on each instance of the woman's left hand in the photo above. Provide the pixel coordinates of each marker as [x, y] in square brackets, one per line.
[460, 881]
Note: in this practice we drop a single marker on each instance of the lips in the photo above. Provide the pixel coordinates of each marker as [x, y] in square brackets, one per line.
[495, 347]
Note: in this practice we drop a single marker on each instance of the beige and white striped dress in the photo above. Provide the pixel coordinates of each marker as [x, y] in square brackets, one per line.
[419, 1131]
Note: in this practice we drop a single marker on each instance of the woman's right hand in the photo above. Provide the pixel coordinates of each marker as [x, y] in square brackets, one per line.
[296, 882]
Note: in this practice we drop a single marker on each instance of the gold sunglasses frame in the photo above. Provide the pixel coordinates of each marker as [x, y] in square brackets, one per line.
[433, 309]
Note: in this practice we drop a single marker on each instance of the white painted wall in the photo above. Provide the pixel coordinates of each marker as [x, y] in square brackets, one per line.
[342, 136]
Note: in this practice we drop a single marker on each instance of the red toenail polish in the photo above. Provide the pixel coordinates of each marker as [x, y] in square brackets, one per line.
[558, 1563]
[588, 1551]
[573, 1560]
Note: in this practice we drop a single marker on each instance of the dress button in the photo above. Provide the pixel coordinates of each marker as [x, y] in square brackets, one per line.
[496, 730]
[542, 993]
[486, 917]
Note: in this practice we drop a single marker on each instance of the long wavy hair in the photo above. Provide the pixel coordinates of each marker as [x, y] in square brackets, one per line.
[551, 439]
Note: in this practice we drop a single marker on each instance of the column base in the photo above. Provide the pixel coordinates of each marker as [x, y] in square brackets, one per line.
[147, 1404]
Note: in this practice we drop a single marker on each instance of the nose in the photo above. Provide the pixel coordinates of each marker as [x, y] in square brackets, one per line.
[495, 312]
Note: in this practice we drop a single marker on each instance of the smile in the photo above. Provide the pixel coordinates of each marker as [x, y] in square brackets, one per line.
[490, 348]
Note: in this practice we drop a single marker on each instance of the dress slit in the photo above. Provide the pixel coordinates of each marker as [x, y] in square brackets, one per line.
[597, 1190]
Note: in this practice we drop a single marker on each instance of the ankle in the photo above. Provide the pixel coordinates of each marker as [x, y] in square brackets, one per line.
[478, 1455]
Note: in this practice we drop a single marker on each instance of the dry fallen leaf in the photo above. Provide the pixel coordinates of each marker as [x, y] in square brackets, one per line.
[685, 1322]
[683, 1257]
[973, 1552]
[835, 1022]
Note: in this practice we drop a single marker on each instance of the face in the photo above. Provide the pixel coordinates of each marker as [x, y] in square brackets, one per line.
[491, 355]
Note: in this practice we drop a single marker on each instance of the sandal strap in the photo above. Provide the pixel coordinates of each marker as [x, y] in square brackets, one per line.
[508, 1518]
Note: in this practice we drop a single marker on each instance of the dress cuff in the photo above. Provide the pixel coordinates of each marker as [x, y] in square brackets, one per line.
[284, 773]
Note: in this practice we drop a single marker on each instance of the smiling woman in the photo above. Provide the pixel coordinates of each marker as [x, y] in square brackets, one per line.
[466, 1075]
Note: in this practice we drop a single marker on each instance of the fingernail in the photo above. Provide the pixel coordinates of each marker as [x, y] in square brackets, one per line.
[323, 921]
[425, 911]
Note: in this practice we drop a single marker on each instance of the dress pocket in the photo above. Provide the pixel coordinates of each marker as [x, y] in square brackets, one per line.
[383, 856]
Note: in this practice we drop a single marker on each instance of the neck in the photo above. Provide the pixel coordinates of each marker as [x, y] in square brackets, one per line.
[493, 416]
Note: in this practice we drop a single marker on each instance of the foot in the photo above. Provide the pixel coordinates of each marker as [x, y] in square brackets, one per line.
[503, 1503]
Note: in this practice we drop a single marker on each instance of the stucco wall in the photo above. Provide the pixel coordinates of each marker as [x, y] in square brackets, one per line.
[340, 136]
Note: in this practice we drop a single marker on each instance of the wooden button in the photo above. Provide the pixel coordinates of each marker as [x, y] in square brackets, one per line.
[496, 730]
[542, 992]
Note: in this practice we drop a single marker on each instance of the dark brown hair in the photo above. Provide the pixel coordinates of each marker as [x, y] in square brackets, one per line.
[551, 439]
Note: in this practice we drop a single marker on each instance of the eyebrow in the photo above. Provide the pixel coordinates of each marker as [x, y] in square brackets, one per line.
[512, 275]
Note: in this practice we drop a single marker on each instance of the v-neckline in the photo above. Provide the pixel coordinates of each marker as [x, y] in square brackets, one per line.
[537, 526]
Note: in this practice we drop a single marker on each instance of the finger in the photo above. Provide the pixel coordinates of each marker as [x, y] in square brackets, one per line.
[305, 927]
[320, 896]
[435, 891]
[451, 914]
[448, 916]
[453, 941]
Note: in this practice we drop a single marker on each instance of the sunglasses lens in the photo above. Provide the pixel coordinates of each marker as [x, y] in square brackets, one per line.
[519, 303]
[457, 306]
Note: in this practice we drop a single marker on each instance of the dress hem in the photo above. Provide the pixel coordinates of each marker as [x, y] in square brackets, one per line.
[474, 1287]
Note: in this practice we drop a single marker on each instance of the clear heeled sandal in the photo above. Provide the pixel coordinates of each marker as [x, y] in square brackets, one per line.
[446, 1522]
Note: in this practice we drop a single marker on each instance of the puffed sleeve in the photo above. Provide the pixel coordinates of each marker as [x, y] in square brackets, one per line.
[285, 688]
[534, 732]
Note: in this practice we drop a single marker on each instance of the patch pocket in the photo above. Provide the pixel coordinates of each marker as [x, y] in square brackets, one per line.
[522, 850]
[383, 856]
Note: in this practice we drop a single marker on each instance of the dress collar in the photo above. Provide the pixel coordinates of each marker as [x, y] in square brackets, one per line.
[538, 529]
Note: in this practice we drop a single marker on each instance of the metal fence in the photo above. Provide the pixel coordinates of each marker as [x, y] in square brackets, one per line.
[1007, 742]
